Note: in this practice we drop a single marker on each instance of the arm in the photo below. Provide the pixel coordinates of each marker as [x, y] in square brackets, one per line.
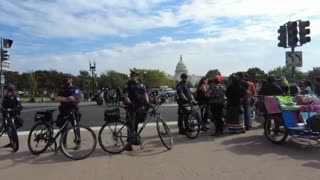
[125, 95]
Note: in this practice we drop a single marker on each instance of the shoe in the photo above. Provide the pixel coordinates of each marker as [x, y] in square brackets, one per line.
[128, 147]
[7, 146]
[182, 132]
[218, 133]
[203, 128]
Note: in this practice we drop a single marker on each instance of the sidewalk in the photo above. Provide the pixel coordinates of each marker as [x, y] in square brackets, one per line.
[240, 157]
[55, 104]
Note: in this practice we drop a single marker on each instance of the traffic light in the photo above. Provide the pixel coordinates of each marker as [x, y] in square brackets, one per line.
[7, 43]
[303, 32]
[292, 33]
[4, 55]
[282, 36]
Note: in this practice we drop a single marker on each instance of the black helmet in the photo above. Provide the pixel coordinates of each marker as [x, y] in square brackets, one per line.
[9, 87]
[68, 76]
[134, 73]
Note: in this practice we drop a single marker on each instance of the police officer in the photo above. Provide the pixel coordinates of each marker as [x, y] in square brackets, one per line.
[68, 96]
[135, 96]
[12, 101]
[183, 99]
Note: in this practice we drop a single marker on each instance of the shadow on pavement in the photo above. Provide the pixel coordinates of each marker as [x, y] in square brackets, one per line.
[258, 145]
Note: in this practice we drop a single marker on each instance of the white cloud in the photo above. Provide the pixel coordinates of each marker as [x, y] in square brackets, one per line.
[233, 34]
[166, 38]
[199, 55]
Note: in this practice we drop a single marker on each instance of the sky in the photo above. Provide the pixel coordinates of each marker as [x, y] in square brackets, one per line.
[228, 35]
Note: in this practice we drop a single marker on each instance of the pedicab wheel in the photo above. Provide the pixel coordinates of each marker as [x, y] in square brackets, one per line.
[275, 130]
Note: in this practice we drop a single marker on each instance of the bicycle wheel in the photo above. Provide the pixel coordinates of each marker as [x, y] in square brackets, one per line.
[40, 134]
[111, 136]
[164, 133]
[275, 130]
[193, 126]
[1, 129]
[78, 142]
[13, 136]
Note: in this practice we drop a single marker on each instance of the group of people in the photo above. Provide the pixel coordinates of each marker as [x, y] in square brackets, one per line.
[236, 97]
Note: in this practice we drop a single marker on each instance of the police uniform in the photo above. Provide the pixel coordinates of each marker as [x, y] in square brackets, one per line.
[182, 88]
[67, 107]
[135, 91]
[13, 102]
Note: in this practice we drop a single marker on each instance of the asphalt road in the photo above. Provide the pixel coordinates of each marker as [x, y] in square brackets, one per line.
[92, 114]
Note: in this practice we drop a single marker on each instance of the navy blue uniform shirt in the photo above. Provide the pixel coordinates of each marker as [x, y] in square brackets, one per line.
[182, 87]
[67, 91]
[135, 92]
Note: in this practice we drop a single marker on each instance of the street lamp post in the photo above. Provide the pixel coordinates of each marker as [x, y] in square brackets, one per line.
[92, 69]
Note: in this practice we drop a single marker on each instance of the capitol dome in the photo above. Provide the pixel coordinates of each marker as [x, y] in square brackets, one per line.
[180, 68]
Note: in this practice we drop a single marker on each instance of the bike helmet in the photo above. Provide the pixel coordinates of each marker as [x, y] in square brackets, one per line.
[218, 78]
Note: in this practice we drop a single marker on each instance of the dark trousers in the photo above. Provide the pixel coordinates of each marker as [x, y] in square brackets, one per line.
[247, 112]
[132, 121]
[217, 110]
[183, 116]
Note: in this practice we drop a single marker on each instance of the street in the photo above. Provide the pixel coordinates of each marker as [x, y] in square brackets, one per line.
[92, 114]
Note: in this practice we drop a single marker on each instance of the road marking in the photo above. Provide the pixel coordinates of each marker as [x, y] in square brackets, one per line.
[97, 128]
[37, 109]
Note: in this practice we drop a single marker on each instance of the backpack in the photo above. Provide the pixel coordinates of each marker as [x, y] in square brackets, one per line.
[217, 94]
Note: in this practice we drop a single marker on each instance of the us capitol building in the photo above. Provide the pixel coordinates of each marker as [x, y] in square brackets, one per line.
[182, 68]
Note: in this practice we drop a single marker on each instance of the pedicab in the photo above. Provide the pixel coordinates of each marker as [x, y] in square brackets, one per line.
[285, 118]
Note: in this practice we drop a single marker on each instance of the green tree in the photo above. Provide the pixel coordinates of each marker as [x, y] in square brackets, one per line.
[313, 73]
[33, 82]
[112, 79]
[83, 80]
[287, 72]
[154, 78]
[256, 74]
[11, 77]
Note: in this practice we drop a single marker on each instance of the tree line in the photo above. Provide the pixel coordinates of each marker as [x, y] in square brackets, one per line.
[50, 81]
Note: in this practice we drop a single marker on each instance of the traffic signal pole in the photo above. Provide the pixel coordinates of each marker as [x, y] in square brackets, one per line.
[1, 72]
[293, 68]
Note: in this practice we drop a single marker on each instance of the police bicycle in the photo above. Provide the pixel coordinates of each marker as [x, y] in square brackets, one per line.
[8, 127]
[191, 119]
[113, 133]
[76, 141]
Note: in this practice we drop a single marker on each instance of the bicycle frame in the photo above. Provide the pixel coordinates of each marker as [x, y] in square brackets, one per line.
[70, 117]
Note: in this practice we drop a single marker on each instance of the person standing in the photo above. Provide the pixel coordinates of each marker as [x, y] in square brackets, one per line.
[183, 99]
[135, 97]
[69, 98]
[203, 100]
[234, 118]
[216, 95]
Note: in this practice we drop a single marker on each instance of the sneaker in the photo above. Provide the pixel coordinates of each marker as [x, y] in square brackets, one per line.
[128, 147]
[182, 132]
